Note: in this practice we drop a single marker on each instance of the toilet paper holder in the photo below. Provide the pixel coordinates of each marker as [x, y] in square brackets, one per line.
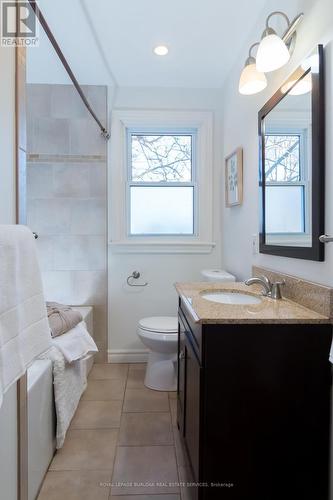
[135, 275]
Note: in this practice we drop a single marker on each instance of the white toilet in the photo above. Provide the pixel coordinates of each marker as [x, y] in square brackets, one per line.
[218, 275]
[160, 335]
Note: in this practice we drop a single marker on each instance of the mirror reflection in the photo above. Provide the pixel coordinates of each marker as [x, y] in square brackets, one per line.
[288, 166]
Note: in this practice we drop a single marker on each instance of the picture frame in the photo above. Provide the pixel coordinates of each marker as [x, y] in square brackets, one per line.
[234, 178]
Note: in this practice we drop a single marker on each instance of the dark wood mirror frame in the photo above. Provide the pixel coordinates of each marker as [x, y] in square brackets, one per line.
[316, 251]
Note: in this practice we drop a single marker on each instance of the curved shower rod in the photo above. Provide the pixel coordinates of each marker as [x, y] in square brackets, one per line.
[67, 67]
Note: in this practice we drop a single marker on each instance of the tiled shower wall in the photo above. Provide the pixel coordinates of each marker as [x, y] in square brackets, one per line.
[66, 197]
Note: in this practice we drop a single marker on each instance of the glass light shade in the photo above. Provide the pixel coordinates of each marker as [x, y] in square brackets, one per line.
[303, 86]
[251, 80]
[272, 53]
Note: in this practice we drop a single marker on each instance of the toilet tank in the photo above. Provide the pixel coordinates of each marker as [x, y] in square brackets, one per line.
[219, 275]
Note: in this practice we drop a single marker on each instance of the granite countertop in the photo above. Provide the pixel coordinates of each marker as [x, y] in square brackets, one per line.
[268, 311]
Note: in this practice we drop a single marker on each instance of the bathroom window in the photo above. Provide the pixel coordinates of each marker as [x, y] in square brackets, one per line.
[161, 185]
[161, 181]
[287, 183]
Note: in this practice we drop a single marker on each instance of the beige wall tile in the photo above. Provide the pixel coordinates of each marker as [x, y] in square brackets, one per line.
[71, 180]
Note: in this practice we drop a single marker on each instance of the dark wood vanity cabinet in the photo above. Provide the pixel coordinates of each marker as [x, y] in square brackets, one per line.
[254, 409]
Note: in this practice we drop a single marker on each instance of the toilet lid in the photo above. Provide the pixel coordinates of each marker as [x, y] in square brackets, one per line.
[165, 324]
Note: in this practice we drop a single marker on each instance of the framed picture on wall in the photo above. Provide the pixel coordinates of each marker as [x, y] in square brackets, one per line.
[234, 178]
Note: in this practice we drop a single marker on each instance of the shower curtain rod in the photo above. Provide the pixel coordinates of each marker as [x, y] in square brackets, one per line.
[67, 67]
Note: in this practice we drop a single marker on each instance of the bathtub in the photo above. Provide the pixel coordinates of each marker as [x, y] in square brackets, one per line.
[41, 423]
[41, 414]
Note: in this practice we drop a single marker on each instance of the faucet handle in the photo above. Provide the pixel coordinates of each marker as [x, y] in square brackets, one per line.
[276, 289]
[266, 280]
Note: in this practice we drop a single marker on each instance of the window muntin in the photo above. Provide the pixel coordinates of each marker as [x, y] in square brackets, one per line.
[161, 184]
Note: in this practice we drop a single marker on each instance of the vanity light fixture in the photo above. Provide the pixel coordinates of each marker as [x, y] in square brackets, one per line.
[251, 80]
[298, 87]
[161, 50]
[274, 51]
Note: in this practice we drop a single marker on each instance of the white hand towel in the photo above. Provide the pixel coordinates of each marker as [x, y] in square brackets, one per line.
[24, 328]
[76, 343]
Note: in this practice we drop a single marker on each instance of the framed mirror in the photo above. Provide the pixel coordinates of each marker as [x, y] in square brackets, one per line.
[292, 164]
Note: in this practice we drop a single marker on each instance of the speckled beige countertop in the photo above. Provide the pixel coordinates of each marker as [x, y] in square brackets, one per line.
[268, 311]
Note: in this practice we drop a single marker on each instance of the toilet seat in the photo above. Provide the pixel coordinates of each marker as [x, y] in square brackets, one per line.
[159, 324]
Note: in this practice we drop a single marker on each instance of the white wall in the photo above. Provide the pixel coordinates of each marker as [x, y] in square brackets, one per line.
[240, 129]
[8, 422]
[7, 136]
[127, 305]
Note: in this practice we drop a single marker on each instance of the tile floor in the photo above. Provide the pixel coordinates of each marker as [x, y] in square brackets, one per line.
[123, 443]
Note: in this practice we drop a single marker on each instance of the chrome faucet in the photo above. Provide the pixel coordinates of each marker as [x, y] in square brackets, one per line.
[272, 290]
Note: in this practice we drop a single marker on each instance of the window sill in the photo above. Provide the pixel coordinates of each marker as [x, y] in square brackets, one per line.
[162, 247]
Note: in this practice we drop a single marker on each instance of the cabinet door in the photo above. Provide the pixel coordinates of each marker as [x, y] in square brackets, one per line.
[181, 376]
[192, 405]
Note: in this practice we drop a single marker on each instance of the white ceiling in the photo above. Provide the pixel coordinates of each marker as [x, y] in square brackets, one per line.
[111, 41]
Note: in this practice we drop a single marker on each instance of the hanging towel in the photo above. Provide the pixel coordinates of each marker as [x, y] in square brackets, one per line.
[24, 327]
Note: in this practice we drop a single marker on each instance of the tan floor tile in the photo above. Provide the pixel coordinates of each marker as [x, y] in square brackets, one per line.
[137, 366]
[97, 415]
[87, 450]
[104, 390]
[145, 497]
[173, 395]
[181, 455]
[173, 410]
[139, 429]
[76, 485]
[145, 400]
[185, 478]
[147, 465]
[136, 376]
[108, 371]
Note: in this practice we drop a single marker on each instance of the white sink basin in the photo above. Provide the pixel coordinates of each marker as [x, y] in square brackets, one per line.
[231, 298]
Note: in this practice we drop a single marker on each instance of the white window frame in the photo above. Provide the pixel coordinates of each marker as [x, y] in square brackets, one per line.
[165, 121]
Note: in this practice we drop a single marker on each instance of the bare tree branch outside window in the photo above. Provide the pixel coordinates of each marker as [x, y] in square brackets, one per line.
[161, 158]
[282, 158]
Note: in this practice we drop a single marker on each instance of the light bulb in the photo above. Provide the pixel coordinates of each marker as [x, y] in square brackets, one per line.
[272, 53]
[251, 80]
[303, 86]
[161, 50]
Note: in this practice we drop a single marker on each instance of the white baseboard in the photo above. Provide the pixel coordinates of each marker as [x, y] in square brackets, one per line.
[126, 356]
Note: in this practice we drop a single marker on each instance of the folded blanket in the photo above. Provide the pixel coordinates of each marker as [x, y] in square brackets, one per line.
[76, 343]
[62, 318]
[69, 383]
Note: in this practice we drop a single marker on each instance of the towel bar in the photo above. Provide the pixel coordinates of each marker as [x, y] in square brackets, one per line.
[135, 275]
[325, 238]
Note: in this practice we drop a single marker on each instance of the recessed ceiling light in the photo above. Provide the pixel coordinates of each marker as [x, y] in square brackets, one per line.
[161, 50]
